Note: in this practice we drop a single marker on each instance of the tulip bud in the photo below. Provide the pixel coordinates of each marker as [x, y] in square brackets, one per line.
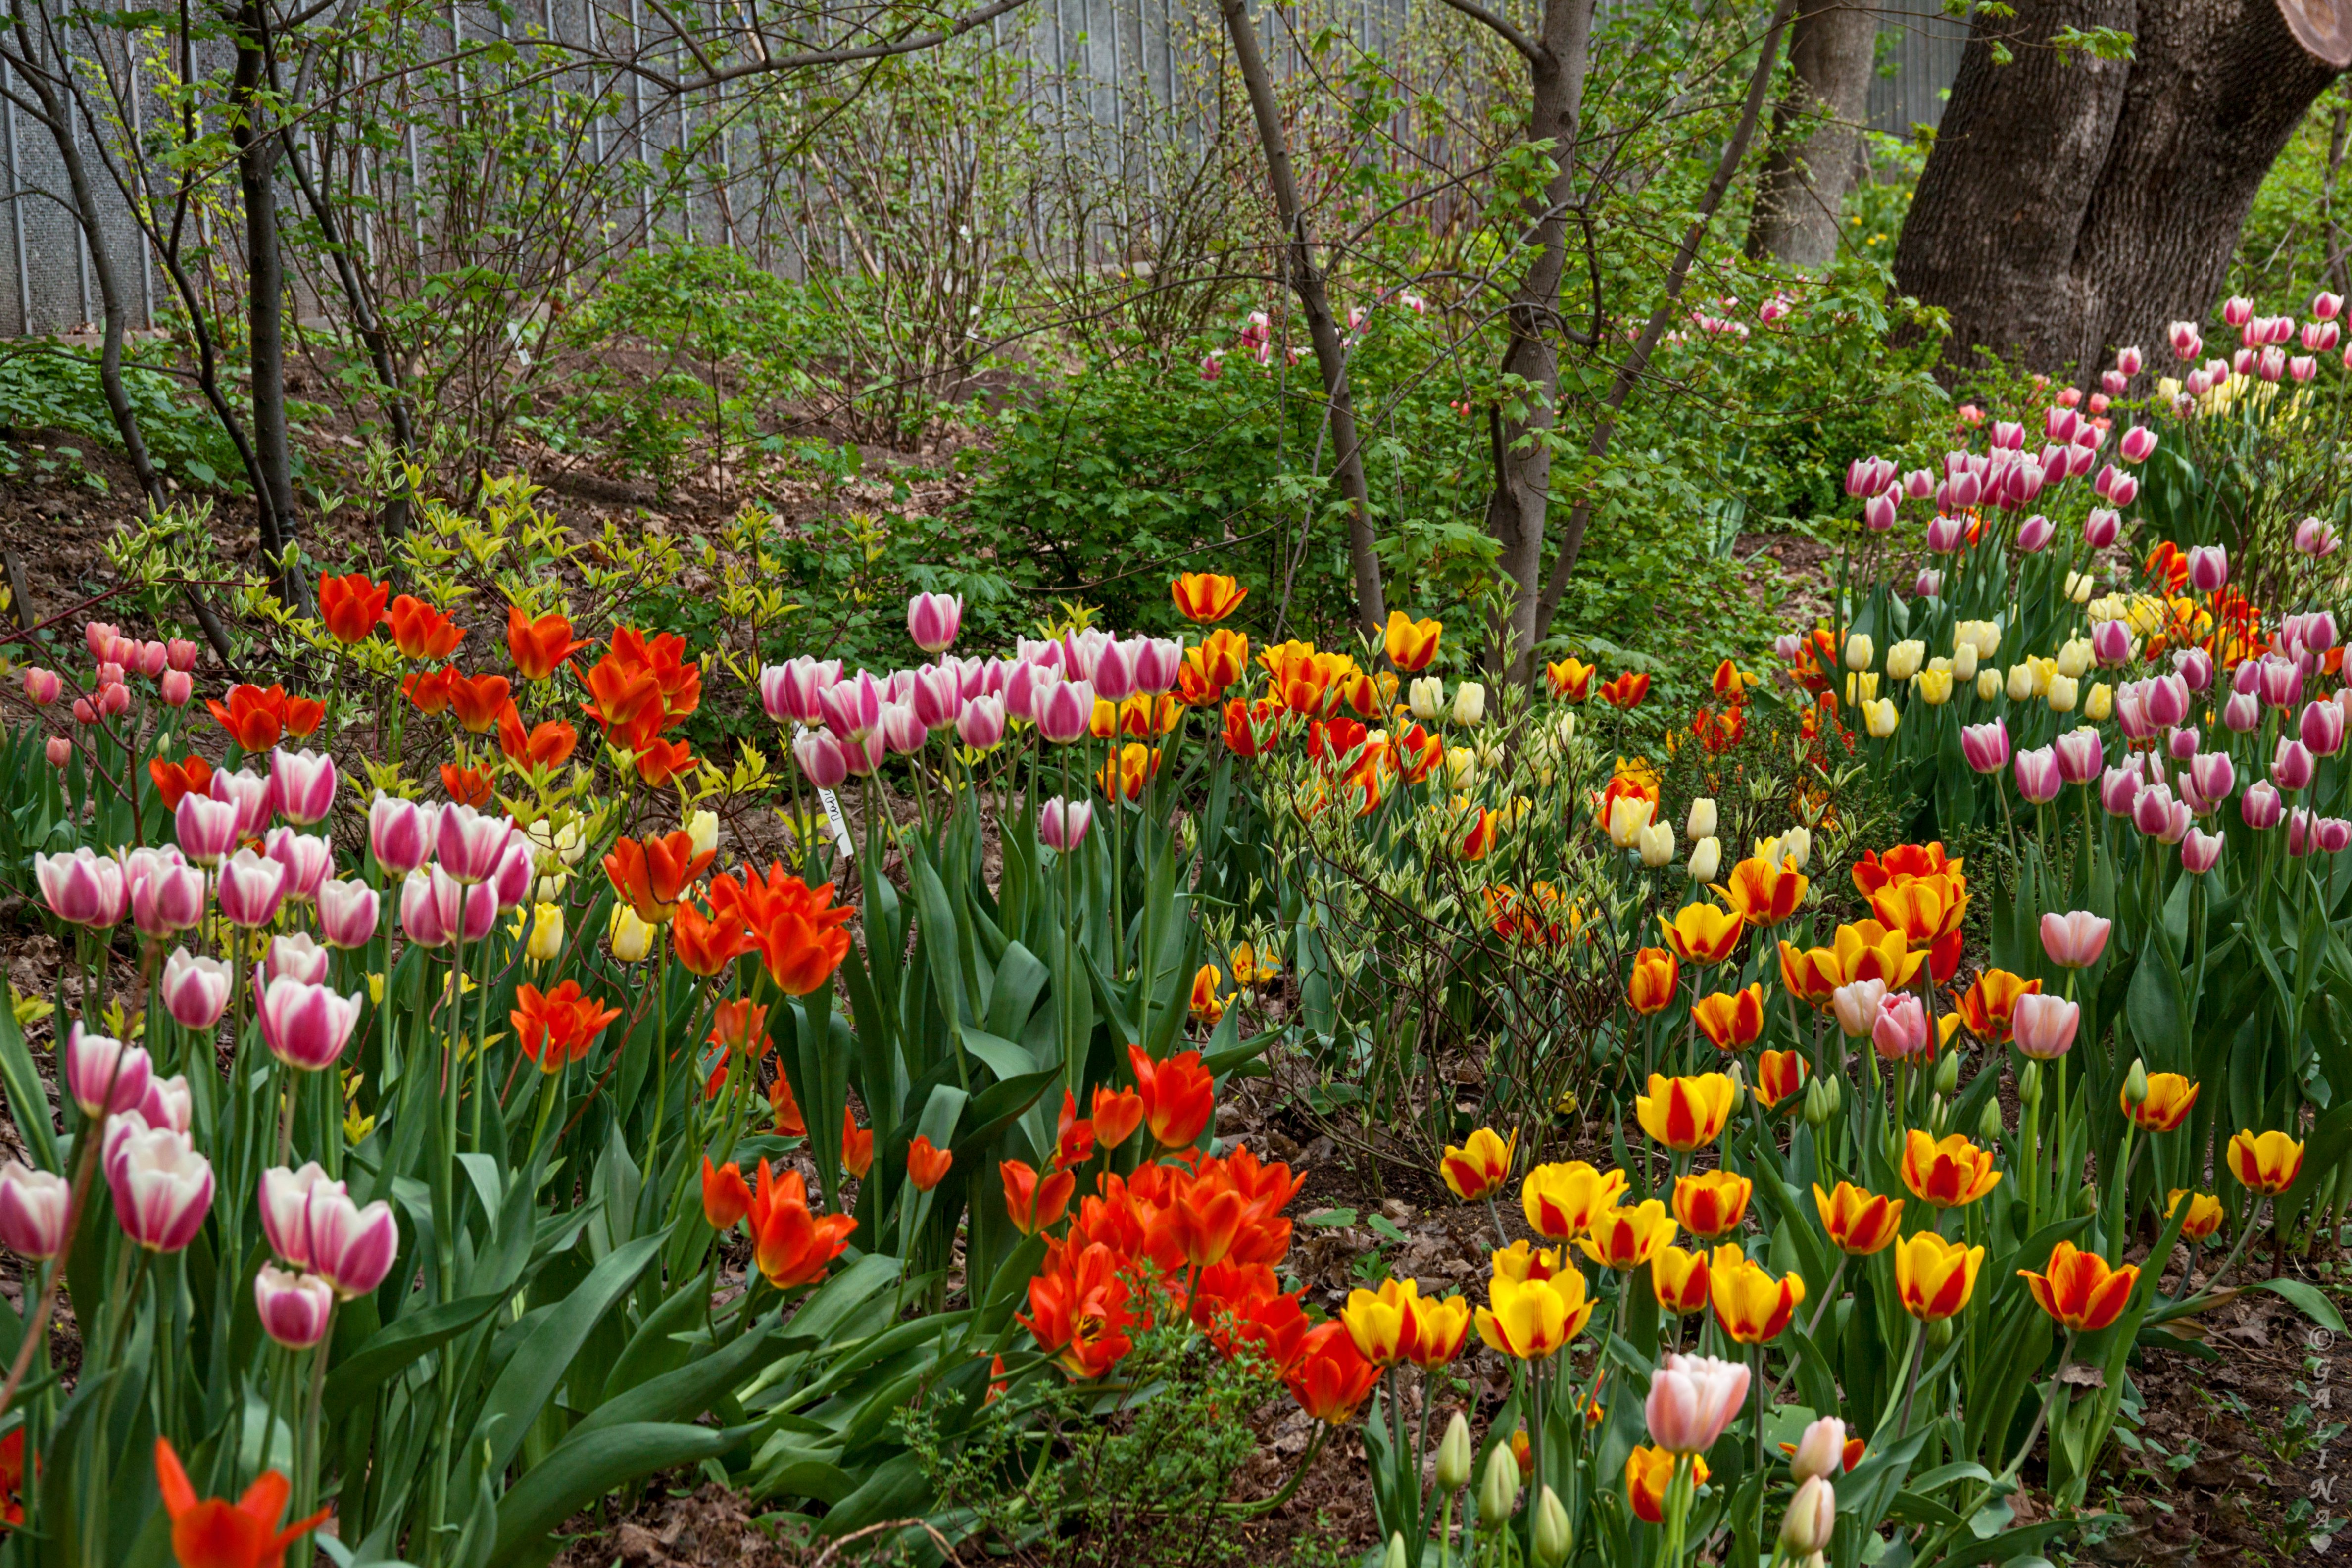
[2029, 1084]
[1990, 1127]
[2087, 1202]
[1817, 1103]
[1811, 1518]
[1940, 1334]
[1552, 1539]
[1454, 1456]
[1701, 822]
[1498, 1493]
[1394, 1557]
[1948, 1074]
[2136, 1083]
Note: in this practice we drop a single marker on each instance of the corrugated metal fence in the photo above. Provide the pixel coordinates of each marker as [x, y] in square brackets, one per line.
[1101, 57]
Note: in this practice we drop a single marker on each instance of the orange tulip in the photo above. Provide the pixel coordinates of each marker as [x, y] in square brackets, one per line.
[1679, 1279]
[1858, 1223]
[1987, 1006]
[927, 1165]
[705, 946]
[465, 786]
[2204, 1212]
[191, 776]
[1761, 893]
[651, 877]
[2170, 1098]
[1750, 1304]
[1411, 645]
[1208, 1008]
[1077, 1310]
[1652, 988]
[1571, 679]
[1701, 933]
[785, 1109]
[1626, 691]
[558, 1027]
[1034, 1206]
[1117, 1114]
[791, 1245]
[1901, 863]
[1924, 909]
[2268, 1163]
[539, 647]
[1951, 1174]
[1685, 1113]
[429, 691]
[856, 1146]
[1731, 1020]
[351, 607]
[1811, 976]
[422, 631]
[738, 1028]
[1178, 1096]
[1124, 777]
[254, 719]
[725, 1195]
[1206, 598]
[213, 1534]
[796, 928]
[548, 745]
[1712, 1204]
[660, 761]
[1330, 1378]
[1253, 727]
[2080, 1290]
[477, 701]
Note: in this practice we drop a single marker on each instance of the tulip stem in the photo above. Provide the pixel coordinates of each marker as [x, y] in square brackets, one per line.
[1911, 1386]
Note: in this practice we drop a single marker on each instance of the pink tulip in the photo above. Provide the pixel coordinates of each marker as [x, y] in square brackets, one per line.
[2279, 681]
[35, 1210]
[83, 888]
[1062, 823]
[180, 654]
[2237, 311]
[286, 1198]
[349, 913]
[2200, 851]
[58, 750]
[1946, 534]
[902, 729]
[2314, 537]
[2075, 940]
[309, 859]
[1919, 484]
[1113, 676]
[399, 833]
[1856, 1006]
[2323, 728]
[2129, 359]
[42, 687]
[2038, 775]
[2333, 835]
[865, 757]
[2319, 337]
[2080, 754]
[113, 700]
[981, 725]
[512, 879]
[2208, 568]
[2195, 667]
[1692, 1400]
[1157, 662]
[249, 793]
[2110, 642]
[2159, 815]
[2292, 764]
[1985, 746]
[295, 1309]
[1927, 584]
[2119, 789]
[420, 911]
[251, 889]
[306, 1026]
[2138, 445]
[469, 844]
[791, 690]
[1026, 685]
[1878, 513]
[178, 686]
[2007, 436]
[2033, 535]
[2101, 528]
[305, 785]
[1900, 1030]
[2166, 697]
[195, 989]
[168, 1103]
[2044, 1026]
[468, 911]
[853, 706]
[2261, 806]
[2244, 361]
[1867, 475]
[2186, 343]
[2299, 841]
[163, 1187]
[933, 620]
[2059, 422]
[2213, 774]
[293, 956]
[936, 697]
[350, 1248]
[2299, 367]
[102, 1075]
[2242, 712]
[821, 757]
[1821, 1451]
[2124, 491]
[1963, 490]
[1065, 711]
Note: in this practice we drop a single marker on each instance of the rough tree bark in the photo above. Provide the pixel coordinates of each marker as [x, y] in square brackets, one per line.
[53, 104]
[1305, 280]
[257, 148]
[1558, 56]
[2074, 206]
[1816, 133]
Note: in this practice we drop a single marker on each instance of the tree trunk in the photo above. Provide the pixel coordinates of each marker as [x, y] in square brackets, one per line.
[2074, 206]
[1517, 511]
[257, 165]
[1305, 280]
[57, 101]
[1816, 134]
